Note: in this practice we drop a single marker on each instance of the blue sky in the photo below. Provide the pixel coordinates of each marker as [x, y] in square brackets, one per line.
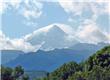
[15, 25]
[23, 21]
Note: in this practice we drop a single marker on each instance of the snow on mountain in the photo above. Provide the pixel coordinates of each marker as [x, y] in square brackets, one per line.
[52, 36]
[55, 36]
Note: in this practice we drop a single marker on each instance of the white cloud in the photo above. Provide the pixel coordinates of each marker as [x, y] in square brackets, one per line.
[71, 6]
[90, 33]
[16, 44]
[27, 14]
[74, 7]
[4, 4]
[14, 3]
[30, 9]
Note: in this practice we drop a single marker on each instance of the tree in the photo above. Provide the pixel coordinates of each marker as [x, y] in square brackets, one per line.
[96, 73]
[6, 73]
[18, 71]
[25, 77]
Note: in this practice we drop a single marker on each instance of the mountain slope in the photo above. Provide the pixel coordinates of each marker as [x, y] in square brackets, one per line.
[96, 67]
[41, 60]
[8, 55]
[100, 58]
[49, 60]
[87, 46]
[52, 36]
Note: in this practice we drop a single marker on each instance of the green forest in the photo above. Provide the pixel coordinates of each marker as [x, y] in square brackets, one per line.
[96, 67]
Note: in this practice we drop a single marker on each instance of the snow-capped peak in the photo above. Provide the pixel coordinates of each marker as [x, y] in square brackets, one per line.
[54, 36]
[67, 29]
[56, 26]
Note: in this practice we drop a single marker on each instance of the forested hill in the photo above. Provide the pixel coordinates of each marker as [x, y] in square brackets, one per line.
[100, 58]
[96, 67]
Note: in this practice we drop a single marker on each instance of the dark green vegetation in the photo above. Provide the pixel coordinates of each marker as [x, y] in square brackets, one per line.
[96, 67]
[13, 74]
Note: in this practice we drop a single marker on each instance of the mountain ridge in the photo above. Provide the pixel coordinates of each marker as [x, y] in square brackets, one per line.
[41, 60]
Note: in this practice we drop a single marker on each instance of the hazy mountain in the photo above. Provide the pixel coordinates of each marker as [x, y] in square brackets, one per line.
[87, 46]
[8, 55]
[50, 60]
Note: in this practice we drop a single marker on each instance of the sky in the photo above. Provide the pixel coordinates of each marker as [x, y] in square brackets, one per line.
[19, 18]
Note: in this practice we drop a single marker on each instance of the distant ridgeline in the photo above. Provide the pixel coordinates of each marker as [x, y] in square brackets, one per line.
[96, 67]
[49, 60]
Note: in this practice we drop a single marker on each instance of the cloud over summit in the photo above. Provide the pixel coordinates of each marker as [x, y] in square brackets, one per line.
[59, 25]
[55, 36]
[90, 33]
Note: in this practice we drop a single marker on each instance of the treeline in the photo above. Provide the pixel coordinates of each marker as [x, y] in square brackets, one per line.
[13, 74]
[96, 67]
